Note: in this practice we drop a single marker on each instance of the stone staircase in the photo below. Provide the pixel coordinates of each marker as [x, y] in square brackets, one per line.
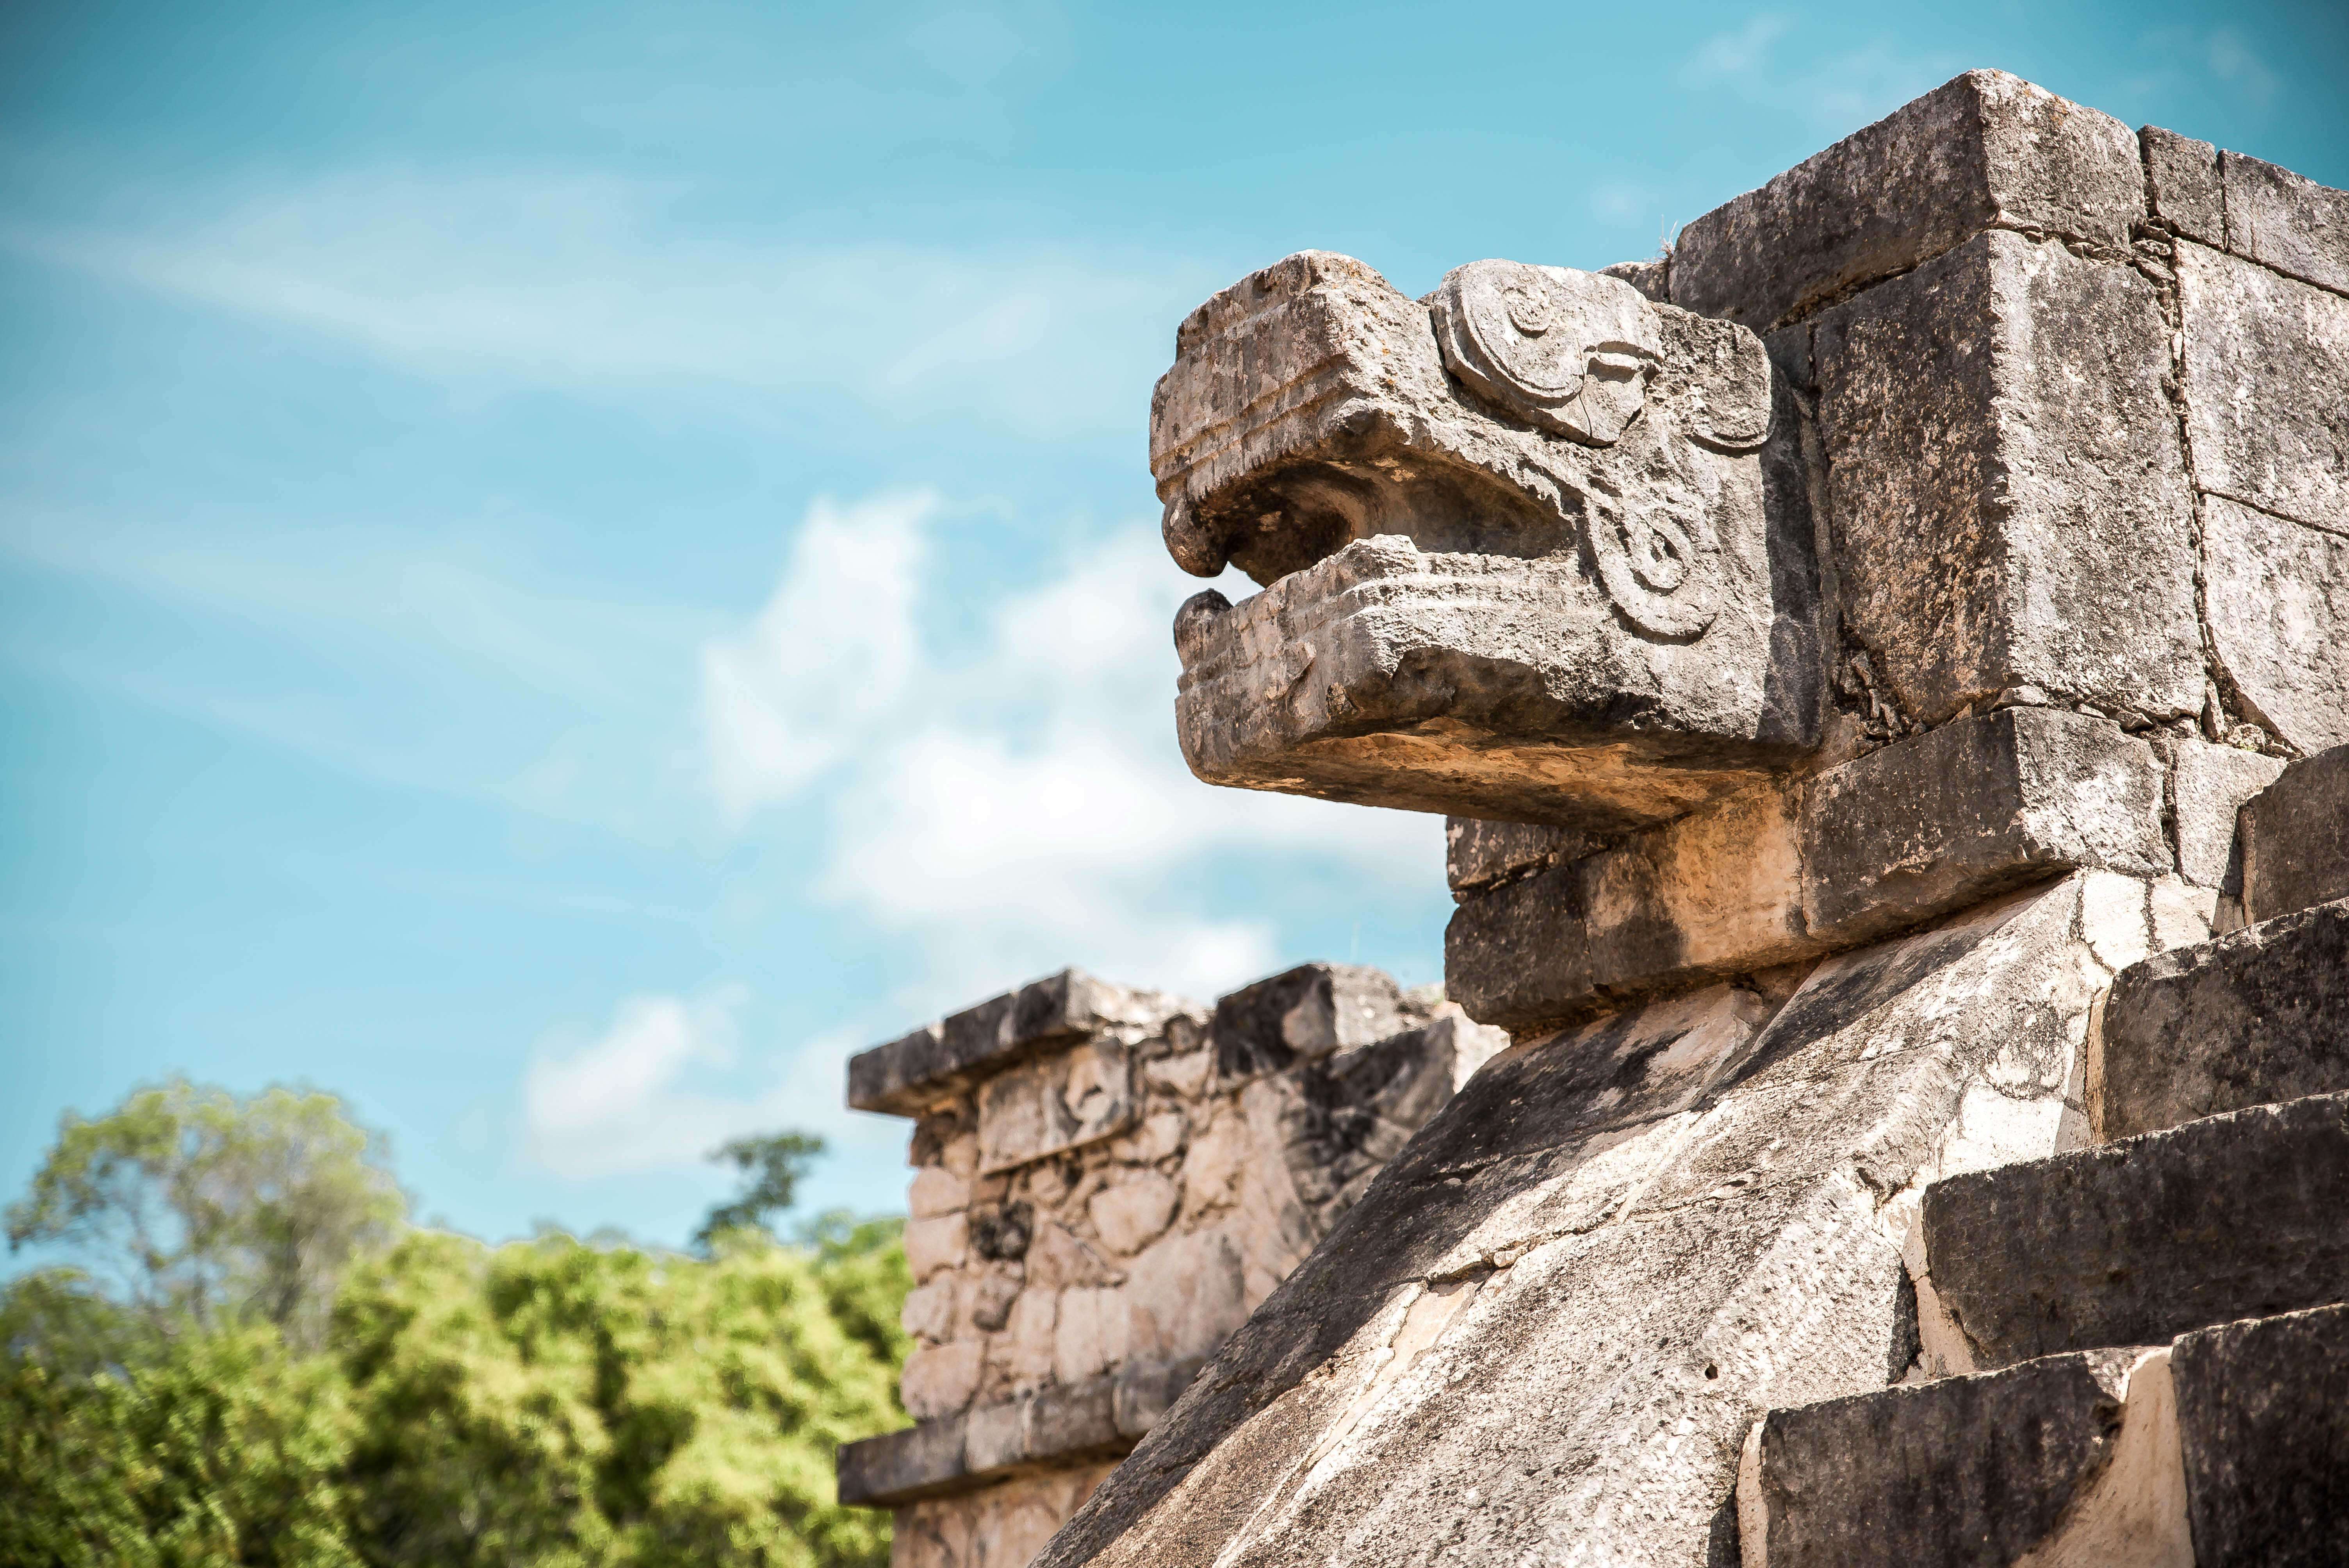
[2136, 1352]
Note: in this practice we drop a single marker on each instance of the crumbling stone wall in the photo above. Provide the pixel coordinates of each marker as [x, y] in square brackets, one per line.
[1106, 1182]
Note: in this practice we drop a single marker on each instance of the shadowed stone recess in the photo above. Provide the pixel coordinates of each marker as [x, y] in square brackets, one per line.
[2295, 837]
[2133, 1242]
[2258, 1016]
[2263, 1416]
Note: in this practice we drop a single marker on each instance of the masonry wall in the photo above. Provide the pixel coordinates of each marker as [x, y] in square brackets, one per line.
[1106, 1182]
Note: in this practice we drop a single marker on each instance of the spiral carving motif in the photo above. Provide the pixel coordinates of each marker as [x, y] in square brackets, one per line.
[1661, 567]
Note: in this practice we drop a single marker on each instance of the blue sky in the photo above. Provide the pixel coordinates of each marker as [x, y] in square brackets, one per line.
[565, 567]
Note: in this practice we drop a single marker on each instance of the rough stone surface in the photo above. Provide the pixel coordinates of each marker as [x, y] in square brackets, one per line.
[2183, 186]
[1983, 151]
[2295, 835]
[1715, 894]
[2133, 1242]
[2266, 360]
[2263, 1415]
[1096, 1212]
[2207, 786]
[1904, 835]
[2258, 1016]
[2006, 495]
[1537, 548]
[1003, 1527]
[1965, 810]
[1603, 1257]
[1066, 1424]
[2281, 219]
[2279, 616]
[1478, 855]
[1310, 1011]
[1066, 1100]
[1967, 1470]
[904, 1077]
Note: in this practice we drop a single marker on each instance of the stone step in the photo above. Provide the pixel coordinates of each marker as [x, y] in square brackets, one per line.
[2227, 1446]
[2240, 1215]
[2255, 1016]
[2295, 836]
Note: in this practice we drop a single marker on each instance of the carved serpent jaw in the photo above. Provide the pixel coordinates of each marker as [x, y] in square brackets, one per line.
[1575, 479]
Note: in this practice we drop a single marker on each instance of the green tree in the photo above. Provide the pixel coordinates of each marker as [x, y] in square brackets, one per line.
[772, 1165]
[549, 1402]
[193, 1206]
[215, 1449]
[210, 1398]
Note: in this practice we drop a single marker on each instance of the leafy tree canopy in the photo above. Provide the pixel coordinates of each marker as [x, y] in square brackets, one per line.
[190, 1205]
[265, 1367]
[772, 1168]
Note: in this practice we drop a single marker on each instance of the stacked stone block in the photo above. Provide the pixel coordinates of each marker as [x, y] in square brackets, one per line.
[1106, 1182]
[1808, 858]
[2137, 1352]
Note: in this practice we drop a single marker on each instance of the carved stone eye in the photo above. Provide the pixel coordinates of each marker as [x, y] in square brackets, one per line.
[1568, 351]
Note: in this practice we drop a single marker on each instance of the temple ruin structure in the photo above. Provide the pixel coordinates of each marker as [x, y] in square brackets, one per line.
[1886, 665]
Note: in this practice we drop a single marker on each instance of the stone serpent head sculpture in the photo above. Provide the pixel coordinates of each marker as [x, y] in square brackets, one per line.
[1533, 546]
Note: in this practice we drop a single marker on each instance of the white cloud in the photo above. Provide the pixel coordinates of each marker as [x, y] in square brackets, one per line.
[1021, 804]
[626, 1101]
[578, 282]
[828, 657]
[614, 1104]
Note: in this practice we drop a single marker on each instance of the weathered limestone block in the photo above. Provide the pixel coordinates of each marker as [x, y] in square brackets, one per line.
[1899, 837]
[1478, 854]
[2208, 786]
[2240, 1215]
[2263, 1414]
[939, 1379]
[2228, 1444]
[1097, 1211]
[1535, 547]
[2295, 835]
[1715, 894]
[1972, 808]
[2072, 1456]
[1984, 151]
[2283, 221]
[1044, 1107]
[1310, 1011]
[2267, 361]
[1002, 1527]
[906, 1076]
[2278, 596]
[2183, 186]
[2007, 496]
[2258, 1016]
[1544, 1331]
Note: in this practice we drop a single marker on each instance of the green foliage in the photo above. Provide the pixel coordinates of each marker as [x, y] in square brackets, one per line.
[269, 1369]
[218, 1449]
[198, 1207]
[554, 1403]
[771, 1166]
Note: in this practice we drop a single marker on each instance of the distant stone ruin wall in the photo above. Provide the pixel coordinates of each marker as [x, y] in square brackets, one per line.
[1107, 1182]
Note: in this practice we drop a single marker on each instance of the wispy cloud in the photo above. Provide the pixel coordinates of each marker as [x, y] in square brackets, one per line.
[580, 282]
[1836, 90]
[652, 1090]
[1018, 803]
